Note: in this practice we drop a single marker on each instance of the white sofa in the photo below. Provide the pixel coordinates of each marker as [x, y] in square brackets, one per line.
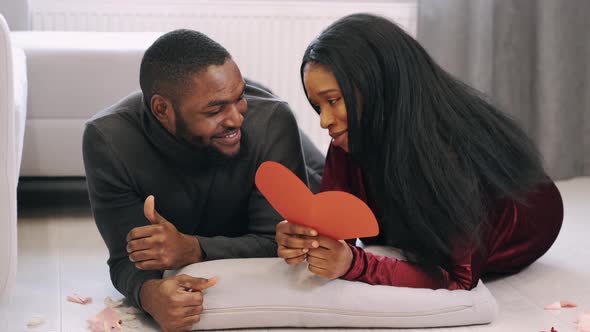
[13, 101]
[72, 76]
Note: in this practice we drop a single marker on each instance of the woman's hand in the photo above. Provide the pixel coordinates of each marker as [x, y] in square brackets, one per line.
[327, 258]
[331, 260]
[294, 241]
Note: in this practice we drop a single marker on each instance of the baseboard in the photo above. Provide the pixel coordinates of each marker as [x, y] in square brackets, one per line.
[46, 191]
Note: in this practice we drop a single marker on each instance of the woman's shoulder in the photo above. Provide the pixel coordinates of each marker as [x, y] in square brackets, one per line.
[343, 173]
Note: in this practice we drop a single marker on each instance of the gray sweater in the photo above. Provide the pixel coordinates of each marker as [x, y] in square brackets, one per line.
[128, 156]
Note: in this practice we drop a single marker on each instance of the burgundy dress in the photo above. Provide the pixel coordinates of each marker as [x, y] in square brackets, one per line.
[518, 236]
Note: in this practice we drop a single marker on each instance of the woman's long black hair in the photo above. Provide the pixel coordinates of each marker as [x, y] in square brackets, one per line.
[436, 154]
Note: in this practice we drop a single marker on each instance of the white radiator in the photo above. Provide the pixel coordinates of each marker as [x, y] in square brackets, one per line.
[266, 38]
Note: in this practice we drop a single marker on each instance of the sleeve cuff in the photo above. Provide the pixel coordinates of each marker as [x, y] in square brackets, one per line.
[211, 248]
[138, 282]
[357, 266]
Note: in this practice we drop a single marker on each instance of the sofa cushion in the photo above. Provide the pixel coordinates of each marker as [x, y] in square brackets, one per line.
[104, 62]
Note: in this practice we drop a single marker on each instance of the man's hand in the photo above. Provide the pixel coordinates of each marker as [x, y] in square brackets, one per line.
[176, 302]
[331, 260]
[160, 246]
[294, 241]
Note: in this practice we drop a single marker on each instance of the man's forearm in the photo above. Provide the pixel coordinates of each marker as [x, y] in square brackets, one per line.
[146, 292]
[250, 245]
[128, 280]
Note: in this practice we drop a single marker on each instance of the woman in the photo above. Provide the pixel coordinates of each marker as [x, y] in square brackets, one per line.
[453, 182]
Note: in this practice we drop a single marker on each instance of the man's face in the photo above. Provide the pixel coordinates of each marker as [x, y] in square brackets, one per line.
[211, 112]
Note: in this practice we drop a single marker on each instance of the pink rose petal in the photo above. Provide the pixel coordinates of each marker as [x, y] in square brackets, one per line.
[560, 305]
[36, 321]
[553, 306]
[109, 302]
[77, 299]
[106, 320]
[127, 317]
[567, 304]
[133, 311]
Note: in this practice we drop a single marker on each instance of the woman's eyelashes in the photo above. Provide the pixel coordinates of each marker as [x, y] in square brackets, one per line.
[334, 100]
[331, 101]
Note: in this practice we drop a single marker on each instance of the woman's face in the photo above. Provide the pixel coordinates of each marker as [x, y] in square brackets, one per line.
[325, 96]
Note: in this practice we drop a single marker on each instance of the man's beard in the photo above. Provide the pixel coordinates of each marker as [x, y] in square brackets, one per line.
[209, 153]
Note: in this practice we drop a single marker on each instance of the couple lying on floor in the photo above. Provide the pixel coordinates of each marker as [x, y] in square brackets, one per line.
[453, 181]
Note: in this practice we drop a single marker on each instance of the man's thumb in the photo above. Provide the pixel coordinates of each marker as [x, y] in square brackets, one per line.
[149, 210]
[197, 284]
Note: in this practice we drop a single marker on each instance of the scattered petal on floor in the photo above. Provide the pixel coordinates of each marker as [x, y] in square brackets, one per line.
[133, 311]
[36, 321]
[560, 304]
[112, 304]
[106, 320]
[552, 330]
[553, 306]
[75, 298]
[127, 317]
[567, 304]
[132, 325]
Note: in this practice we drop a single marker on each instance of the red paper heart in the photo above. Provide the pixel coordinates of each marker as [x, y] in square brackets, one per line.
[336, 214]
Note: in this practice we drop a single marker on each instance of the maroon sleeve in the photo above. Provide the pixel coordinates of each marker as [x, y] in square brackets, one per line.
[380, 270]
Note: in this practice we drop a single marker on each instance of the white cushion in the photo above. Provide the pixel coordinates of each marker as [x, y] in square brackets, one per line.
[266, 292]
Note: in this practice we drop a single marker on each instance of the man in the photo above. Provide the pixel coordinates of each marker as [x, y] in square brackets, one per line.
[170, 173]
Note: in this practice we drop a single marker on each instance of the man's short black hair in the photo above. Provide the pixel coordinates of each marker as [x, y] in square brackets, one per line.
[172, 59]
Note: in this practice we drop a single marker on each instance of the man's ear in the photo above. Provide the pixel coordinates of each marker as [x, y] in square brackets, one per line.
[161, 107]
[163, 110]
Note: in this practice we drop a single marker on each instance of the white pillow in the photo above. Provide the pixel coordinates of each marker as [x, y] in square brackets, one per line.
[266, 292]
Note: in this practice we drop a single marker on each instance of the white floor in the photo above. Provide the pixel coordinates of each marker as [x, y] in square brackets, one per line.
[61, 253]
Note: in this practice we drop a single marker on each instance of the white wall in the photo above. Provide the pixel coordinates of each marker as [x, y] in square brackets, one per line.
[16, 13]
